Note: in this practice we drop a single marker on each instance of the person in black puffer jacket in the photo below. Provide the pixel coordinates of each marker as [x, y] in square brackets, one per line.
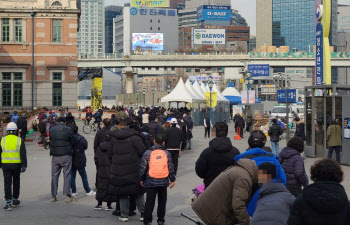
[300, 128]
[79, 162]
[325, 201]
[103, 173]
[173, 138]
[70, 120]
[293, 165]
[128, 149]
[239, 123]
[275, 132]
[218, 157]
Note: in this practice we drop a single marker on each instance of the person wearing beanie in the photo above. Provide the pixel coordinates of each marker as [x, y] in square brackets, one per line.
[293, 165]
[173, 138]
[275, 132]
[256, 142]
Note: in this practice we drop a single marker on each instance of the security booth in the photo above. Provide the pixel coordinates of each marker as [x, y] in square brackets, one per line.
[323, 104]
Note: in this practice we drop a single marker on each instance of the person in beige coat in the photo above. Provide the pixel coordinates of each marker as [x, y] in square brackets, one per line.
[334, 139]
[224, 202]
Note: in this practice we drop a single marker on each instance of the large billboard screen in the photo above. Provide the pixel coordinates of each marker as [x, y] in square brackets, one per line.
[150, 3]
[214, 12]
[209, 36]
[147, 42]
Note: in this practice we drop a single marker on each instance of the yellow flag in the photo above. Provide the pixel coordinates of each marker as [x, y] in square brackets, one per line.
[96, 94]
[214, 99]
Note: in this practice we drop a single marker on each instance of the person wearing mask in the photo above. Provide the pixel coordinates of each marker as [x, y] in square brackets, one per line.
[293, 166]
[275, 201]
[189, 125]
[124, 182]
[334, 139]
[13, 161]
[154, 127]
[225, 200]
[207, 125]
[80, 144]
[70, 120]
[217, 157]
[61, 150]
[88, 116]
[98, 118]
[139, 116]
[22, 127]
[325, 201]
[172, 138]
[239, 123]
[275, 132]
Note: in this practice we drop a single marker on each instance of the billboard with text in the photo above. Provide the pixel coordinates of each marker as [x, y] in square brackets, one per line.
[150, 3]
[214, 12]
[209, 36]
[147, 42]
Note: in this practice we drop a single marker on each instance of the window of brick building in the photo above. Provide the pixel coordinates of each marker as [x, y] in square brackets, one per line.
[17, 94]
[56, 30]
[18, 30]
[5, 29]
[56, 94]
[6, 94]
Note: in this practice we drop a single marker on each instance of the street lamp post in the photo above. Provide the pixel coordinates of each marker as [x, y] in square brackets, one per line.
[169, 90]
[144, 97]
[248, 81]
[137, 98]
[210, 85]
[153, 97]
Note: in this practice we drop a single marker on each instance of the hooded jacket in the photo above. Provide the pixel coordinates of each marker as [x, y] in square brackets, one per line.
[103, 152]
[275, 132]
[144, 169]
[215, 159]
[224, 202]
[128, 149]
[321, 203]
[273, 197]
[293, 165]
[80, 144]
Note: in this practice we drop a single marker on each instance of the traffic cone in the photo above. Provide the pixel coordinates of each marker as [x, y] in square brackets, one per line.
[238, 134]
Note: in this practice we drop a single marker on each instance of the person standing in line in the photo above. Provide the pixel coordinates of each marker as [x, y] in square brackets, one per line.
[217, 157]
[14, 117]
[249, 121]
[13, 161]
[189, 124]
[293, 165]
[207, 125]
[139, 116]
[61, 150]
[156, 171]
[173, 138]
[239, 123]
[334, 139]
[145, 118]
[80, 144]
[22, 127]
[70, 120]
[275, 132]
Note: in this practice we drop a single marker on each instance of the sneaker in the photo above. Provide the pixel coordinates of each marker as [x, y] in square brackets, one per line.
[141, 218]
[75, 194]
[116, 213]
[16, 203]
[53, 198]
[161, 223]
[132, 213]
[70, 199]
[91, 193]
[124, 219]
[98, 207]
[8, 206]
[108, 208]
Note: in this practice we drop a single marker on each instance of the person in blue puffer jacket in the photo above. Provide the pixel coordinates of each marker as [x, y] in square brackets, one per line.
[256, 142]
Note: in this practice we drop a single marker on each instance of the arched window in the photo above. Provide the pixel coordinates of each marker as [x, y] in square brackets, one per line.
[56, 3]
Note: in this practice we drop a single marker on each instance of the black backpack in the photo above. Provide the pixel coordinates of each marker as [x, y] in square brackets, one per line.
[42, 127]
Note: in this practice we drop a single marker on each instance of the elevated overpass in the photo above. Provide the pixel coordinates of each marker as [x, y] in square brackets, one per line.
[208, 60]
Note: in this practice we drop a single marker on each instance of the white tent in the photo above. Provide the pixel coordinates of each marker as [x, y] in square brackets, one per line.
[179, 94]
[203, 87]
[232, 94]
[220, 96]
[193, 92]
[198, 89]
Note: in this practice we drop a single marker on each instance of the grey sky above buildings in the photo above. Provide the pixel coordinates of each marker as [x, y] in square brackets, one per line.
[245, 7]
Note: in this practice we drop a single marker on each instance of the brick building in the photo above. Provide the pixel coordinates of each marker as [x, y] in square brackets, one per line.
[55, 53]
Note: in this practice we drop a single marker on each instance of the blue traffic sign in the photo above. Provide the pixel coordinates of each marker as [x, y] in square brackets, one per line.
[287, 96]
[319, 55]
[259, 70]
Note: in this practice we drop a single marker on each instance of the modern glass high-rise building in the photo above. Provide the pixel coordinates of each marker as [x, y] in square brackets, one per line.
[110, 13]
[92, 29]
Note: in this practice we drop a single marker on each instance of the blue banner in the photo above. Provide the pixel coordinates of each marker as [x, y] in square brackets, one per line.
[287, 96]
[214, 12]
[319, 55]
[259, 70]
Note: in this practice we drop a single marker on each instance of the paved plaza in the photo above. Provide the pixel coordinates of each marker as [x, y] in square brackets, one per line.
[36, 208]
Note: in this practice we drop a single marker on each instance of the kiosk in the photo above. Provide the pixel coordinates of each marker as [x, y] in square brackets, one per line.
[323, 104]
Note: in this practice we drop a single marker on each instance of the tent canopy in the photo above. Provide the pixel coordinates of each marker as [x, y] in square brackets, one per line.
[198, 89]
[193, 92]
[220, 96]
[179, 94]
[232, 94]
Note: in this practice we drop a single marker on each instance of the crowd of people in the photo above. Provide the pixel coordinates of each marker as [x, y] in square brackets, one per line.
[136, 152]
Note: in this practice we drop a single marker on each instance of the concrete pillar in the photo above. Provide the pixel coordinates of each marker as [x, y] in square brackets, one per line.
[129, 73]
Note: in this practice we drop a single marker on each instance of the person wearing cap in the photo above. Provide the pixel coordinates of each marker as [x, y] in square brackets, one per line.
[61, 150]
[256, 142]
[22, 127]
[334, 139]
[13, 161]
[173, 138]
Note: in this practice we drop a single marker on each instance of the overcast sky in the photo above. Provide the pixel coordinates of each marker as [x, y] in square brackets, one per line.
[245, 7]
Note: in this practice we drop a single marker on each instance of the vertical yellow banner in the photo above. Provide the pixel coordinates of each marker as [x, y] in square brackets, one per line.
[96, 94]
[326, 23]
[214, 99]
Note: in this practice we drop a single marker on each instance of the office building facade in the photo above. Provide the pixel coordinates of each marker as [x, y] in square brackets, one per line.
[110, 13]
[263, 23]
[91, 36]
[344, 18]
[53, 83]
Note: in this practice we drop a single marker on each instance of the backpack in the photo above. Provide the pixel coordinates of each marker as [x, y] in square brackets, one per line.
[158, 164]
[14, 118]
[42, 127]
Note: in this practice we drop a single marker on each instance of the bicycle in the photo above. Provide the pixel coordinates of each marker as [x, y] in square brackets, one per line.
[89, 126]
